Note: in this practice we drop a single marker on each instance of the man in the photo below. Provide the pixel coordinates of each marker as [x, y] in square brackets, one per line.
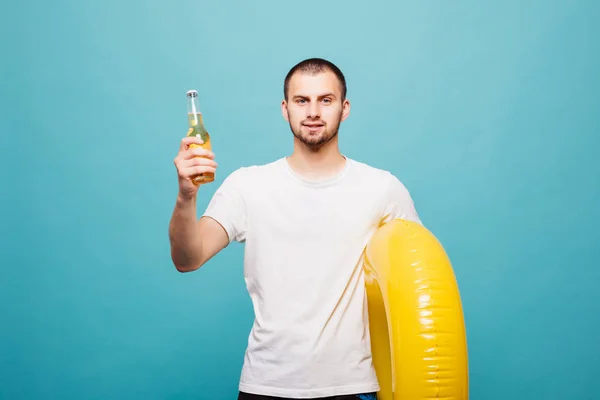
[305, 220]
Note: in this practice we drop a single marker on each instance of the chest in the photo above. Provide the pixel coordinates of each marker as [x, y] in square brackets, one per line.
[340, 215]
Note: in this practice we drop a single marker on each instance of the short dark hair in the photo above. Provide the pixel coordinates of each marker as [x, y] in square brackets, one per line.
[315, 66]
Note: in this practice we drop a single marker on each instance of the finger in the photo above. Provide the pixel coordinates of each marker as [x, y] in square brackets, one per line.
[203, 161]
[199, 152]
[196, 152]
[196, 161]
[197, 170]
[186, 141]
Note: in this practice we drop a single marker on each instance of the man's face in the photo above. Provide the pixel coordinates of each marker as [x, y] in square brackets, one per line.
[314, 108]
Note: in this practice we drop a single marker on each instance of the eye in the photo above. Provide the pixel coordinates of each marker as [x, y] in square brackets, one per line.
[300, 101]
[327, 101]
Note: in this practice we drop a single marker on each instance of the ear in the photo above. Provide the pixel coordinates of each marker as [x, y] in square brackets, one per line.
[345, 109]
[284, 110]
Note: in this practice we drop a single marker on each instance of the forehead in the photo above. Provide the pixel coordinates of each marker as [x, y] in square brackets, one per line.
[306, 84]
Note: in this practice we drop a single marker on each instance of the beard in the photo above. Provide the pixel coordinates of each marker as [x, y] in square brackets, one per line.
[315, 140]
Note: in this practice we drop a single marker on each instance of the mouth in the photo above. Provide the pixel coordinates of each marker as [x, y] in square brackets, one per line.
[313, 127]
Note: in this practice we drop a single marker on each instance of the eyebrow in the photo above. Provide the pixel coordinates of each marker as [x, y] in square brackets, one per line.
[320, 96]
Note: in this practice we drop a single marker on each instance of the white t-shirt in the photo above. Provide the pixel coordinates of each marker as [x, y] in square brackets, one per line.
[304, 243]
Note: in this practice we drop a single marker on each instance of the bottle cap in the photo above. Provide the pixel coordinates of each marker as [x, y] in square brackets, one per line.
[192, 93]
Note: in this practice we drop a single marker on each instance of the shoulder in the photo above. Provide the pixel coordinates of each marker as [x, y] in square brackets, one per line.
[251, 174]
[394, 199]
[373, 175]
[382, 182]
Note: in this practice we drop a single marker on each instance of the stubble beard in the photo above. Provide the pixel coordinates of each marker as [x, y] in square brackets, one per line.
[316, 141]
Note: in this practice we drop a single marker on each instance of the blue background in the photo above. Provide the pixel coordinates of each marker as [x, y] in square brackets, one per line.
[487, 111]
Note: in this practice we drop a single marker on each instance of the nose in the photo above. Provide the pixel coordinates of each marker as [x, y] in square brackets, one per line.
[313, 110]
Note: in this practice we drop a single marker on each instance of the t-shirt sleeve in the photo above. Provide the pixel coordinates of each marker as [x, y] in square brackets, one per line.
[398, 203]
[228, 207]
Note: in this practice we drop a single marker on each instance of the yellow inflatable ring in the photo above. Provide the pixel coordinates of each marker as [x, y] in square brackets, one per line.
[416, 322]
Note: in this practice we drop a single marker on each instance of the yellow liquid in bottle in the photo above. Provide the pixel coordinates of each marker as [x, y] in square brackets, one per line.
[197, 129]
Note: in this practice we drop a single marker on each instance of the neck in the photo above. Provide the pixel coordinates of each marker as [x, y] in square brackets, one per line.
[317, 164]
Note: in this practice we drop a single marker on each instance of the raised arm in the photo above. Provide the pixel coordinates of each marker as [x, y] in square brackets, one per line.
[193, 241]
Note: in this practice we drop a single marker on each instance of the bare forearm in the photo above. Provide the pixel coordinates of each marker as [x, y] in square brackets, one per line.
[183, 235]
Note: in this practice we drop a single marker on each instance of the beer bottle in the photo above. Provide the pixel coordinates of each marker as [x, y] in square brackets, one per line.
[197, 129]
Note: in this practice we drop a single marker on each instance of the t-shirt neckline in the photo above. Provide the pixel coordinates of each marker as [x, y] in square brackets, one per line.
[322, 182]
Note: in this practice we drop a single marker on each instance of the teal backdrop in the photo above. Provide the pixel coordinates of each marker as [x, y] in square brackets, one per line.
[487, 111]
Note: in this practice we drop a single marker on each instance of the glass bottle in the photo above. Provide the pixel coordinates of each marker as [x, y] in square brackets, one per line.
[196, 125]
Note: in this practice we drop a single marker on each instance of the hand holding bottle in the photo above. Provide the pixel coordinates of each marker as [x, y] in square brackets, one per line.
[192, 161]
[195, 162]
[197, 129]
